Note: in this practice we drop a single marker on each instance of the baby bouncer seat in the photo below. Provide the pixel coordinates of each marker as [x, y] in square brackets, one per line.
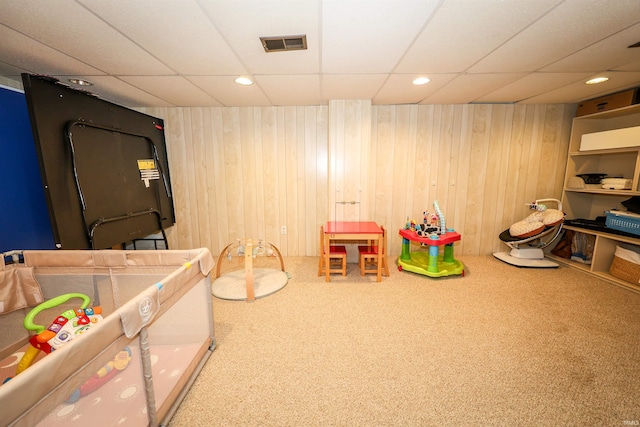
[528, 238]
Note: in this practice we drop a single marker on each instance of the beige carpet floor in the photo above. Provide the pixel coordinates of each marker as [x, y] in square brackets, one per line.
[502, 346]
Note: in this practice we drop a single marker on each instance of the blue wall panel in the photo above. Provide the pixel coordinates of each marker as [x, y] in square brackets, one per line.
[24, 217]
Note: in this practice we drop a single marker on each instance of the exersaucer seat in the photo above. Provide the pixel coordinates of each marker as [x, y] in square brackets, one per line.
[528, 238]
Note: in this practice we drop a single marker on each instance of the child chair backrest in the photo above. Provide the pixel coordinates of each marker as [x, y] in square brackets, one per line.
[321, 240]
[383, 240]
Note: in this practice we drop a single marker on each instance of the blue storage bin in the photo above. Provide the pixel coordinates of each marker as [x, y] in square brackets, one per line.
[623, 221]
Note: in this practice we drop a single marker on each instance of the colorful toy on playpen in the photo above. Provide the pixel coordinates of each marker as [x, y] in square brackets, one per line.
[63, 329]
[104, 375]
[433, 233]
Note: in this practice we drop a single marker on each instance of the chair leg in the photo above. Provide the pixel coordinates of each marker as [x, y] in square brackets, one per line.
[372, 261]
[385, 266]
[333, 262]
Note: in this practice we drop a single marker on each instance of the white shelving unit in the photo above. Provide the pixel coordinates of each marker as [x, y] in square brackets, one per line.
[590, 202]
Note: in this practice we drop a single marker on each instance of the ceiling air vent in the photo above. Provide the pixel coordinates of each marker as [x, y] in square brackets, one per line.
[282, 43]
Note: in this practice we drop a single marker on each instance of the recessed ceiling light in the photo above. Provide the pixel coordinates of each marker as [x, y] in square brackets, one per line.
[81, 82]
[245, 81]
[421, 81]
[597, 80]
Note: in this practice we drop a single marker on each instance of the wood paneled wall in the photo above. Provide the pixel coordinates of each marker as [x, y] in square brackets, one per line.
[245, 172]
[349, 148]
[482, 163]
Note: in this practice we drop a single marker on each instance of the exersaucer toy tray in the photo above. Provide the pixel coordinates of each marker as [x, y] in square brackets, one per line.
[440, 263]
[134, 366]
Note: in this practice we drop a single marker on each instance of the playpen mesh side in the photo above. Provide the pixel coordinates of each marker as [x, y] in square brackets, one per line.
[107, 288]
[180, 334]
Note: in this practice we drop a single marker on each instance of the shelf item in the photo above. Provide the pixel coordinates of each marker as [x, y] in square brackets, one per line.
[616, 138]
[624, 221]
[582, 246]
[592, 178]
[611, 158]
[617, 184]
[609, 102]
[626, 265]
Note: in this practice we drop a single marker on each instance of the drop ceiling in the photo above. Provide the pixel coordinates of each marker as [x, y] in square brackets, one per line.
[189, 52]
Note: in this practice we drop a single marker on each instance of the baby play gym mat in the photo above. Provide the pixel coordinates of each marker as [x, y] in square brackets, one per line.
[248, 283]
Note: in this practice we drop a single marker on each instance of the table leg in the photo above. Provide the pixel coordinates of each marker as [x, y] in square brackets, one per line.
[380, 250]
[327, 257]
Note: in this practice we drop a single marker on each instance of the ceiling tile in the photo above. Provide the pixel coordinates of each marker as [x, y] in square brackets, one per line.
[531, 85]
[188, 52]
[399, 89]
[8, 71]
[71, 29]
[467, 88]
[580, 91]
[573, 25]
[198, 50]
[631, 66]
[230, 95]
[611, 50]
[36, 58]
[291, 90]
[370, 37]
[352, 86]
[174, 90]
[114, 90]
[461, 32]
[242, 24]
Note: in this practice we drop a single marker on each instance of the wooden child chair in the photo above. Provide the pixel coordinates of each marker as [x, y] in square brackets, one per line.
[337, 257]
[368, 260]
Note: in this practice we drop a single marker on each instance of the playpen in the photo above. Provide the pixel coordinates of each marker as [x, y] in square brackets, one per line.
[132, 367]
